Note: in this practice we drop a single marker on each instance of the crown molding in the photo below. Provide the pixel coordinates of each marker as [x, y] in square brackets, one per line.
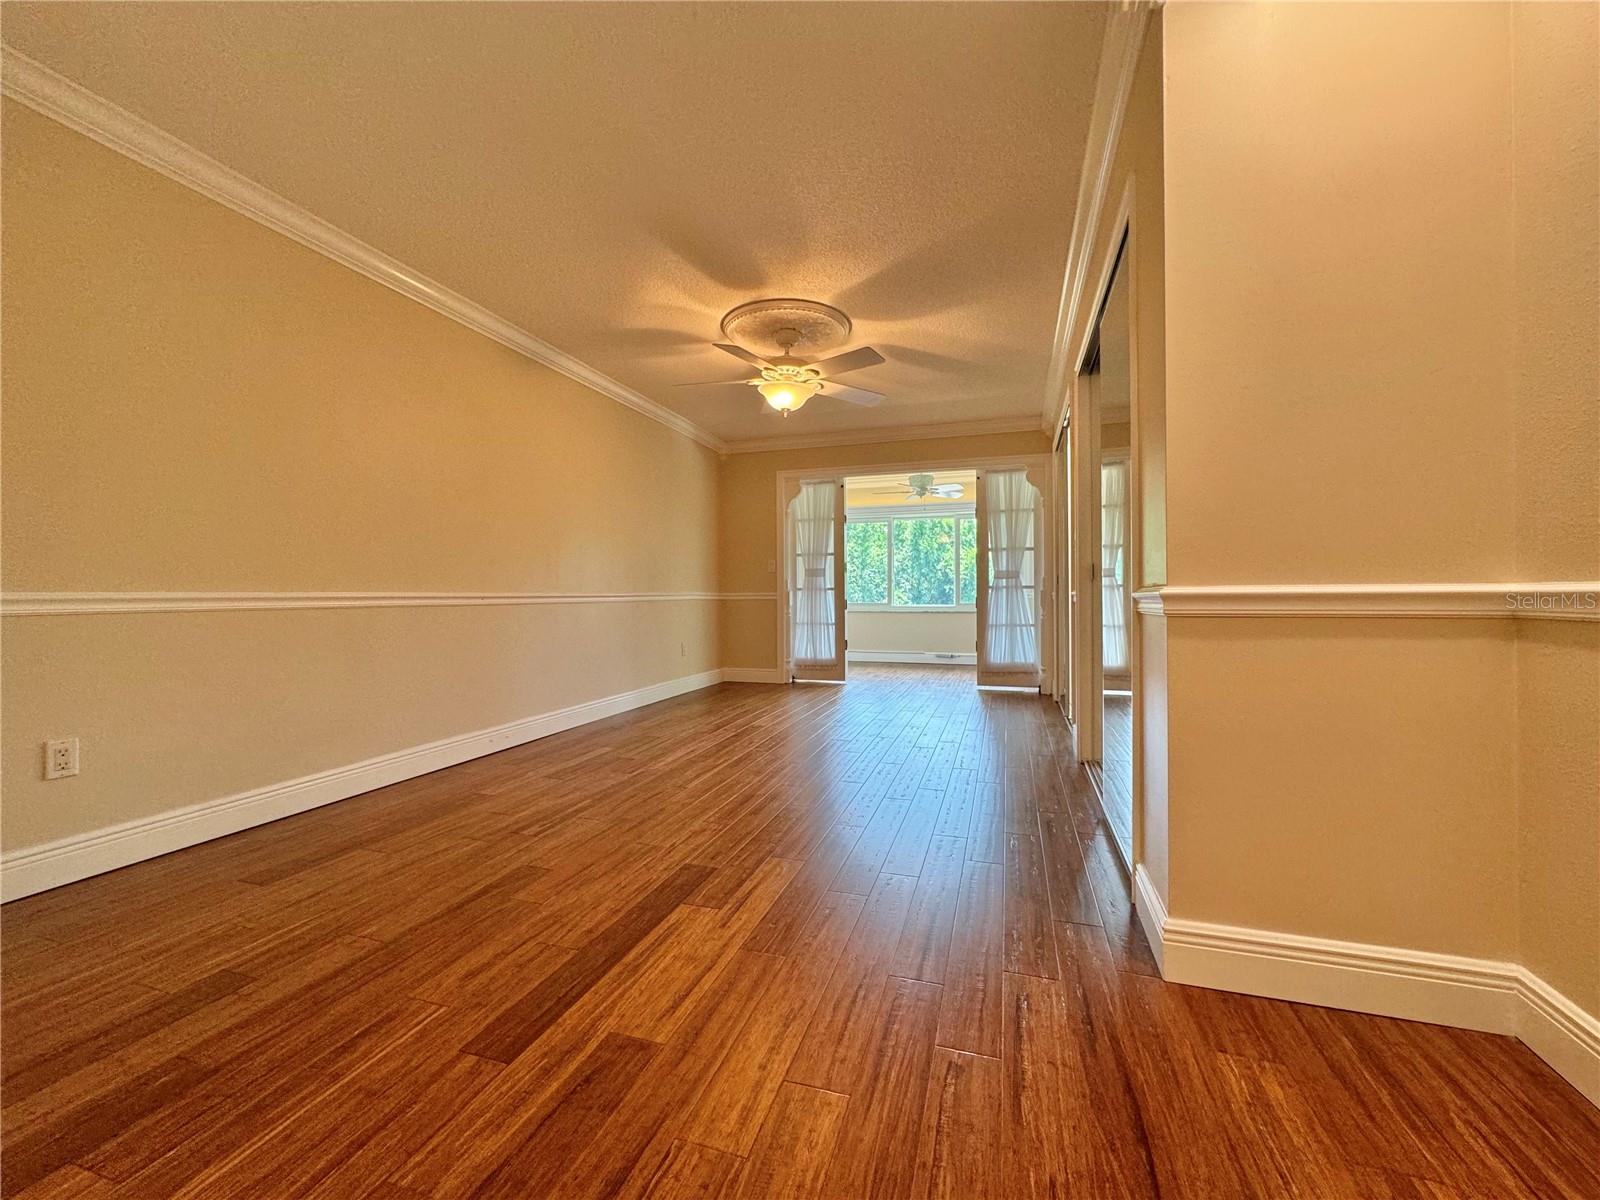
[59, 98]
[1119, 59]
[68, 103]
[48, 604]
[897, 433]
[1532, 600]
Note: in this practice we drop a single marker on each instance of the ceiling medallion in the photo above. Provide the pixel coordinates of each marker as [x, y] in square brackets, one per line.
[786, 327]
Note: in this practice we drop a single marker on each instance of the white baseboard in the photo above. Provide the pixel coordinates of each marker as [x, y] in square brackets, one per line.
[912, 656]
[1442, 989]
[1561, 1033]
[753, 675]
[1152, 913]
[1469, 993]
[39, 868]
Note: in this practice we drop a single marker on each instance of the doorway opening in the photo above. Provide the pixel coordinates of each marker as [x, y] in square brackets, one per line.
[943, 565]
[911, 568]
[1105, 541]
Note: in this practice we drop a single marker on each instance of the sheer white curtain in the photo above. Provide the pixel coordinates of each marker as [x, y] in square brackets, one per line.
[815, 635]
[1012, 632]
[1114, 563]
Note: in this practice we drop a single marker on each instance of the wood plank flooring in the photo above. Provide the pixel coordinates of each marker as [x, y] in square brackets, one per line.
[756, 942]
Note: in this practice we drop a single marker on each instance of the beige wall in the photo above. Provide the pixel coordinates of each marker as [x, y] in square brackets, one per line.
[747, 520]
[1556, 399]
[1139, 164]
[1338, 194]
[193, 402]
[1558, 789]
[1380, 274]
[1155, 834]
[1343, 778]
[1556, 370]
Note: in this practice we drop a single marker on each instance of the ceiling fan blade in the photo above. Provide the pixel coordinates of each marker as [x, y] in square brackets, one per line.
[852, 360]
[852, 395]
[741, 352]
[714, 383]
[947, 490]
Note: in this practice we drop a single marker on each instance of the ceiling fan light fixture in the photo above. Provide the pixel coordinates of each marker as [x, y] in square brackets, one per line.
[788, 395]
[786, 380]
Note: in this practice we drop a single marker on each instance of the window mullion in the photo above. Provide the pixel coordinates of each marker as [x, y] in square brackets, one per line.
[956, 549]
[888, 545]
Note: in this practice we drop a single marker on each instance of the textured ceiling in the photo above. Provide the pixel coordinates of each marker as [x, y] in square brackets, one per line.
[613, 177]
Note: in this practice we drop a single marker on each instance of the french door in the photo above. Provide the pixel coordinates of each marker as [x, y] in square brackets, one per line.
[814, 552]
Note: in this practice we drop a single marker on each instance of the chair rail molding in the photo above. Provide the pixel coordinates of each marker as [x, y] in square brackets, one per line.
[45, 604]
[69, 103]
[1563, 600]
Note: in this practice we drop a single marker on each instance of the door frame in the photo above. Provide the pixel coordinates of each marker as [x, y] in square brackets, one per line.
[1083, 486]
[1060, 523]
[1036, 466]
[1088, 674]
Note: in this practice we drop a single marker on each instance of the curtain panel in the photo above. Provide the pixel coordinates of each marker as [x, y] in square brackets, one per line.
[815, 631]
[1114, 564]
[1011, 638]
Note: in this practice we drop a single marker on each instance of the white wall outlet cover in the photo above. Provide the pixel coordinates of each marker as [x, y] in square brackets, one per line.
[60, 758]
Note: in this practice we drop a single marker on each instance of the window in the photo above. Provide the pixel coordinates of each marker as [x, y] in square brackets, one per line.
[929, 560]
[866, 562]
[924, 560]
[967, 573]
[1113, 553]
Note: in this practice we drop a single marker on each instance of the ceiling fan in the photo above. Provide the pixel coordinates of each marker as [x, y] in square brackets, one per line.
[922, 487]
[785, 380]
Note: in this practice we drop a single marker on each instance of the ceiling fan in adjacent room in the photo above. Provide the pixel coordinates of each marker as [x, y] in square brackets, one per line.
[785, 379]
[922, 487]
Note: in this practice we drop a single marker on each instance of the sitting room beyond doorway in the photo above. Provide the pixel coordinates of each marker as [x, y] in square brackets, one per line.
[911, 552]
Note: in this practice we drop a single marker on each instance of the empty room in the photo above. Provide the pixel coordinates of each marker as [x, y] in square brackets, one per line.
[800, 601]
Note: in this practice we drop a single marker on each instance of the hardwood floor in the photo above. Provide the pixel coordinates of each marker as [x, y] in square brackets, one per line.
[756, 942]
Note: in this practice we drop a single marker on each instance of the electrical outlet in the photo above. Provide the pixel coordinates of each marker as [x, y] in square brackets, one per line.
[61, 758]
[683, 649]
